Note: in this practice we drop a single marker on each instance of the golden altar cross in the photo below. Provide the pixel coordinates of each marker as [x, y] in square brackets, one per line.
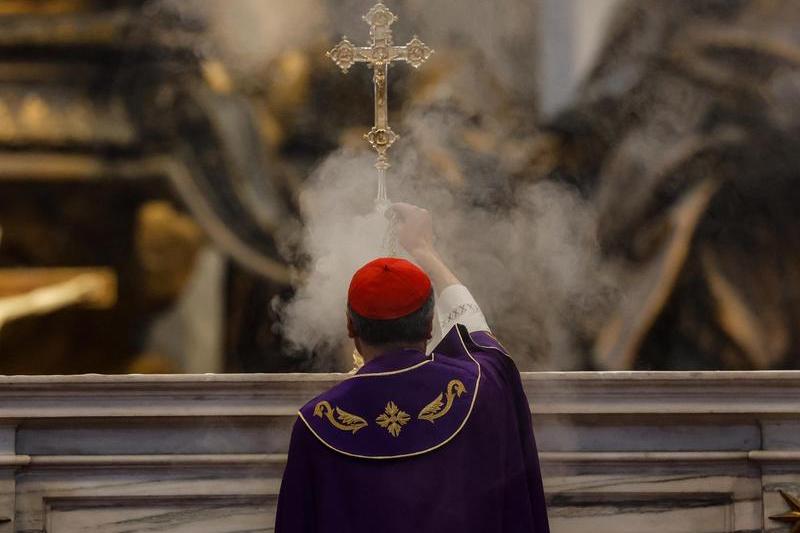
[379, 55]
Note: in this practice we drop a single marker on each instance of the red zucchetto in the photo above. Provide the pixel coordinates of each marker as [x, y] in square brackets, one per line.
[388, 288]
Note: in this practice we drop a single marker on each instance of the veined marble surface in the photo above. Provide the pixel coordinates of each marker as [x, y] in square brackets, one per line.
[621, 452]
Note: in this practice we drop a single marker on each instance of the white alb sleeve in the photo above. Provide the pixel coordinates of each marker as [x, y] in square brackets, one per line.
[455, 305]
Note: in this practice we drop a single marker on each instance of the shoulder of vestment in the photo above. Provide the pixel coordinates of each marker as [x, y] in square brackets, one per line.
[404, 404]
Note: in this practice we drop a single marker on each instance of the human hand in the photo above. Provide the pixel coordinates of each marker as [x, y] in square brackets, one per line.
[414, 229]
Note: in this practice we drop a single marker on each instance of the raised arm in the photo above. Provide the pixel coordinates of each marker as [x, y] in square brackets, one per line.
[454, 303]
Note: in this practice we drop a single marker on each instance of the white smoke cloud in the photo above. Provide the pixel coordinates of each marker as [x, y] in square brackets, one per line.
[248, 34]
[342, 232]
[535, 268]
[533, 263]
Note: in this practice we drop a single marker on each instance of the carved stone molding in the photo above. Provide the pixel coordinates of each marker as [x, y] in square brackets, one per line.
[671, 394]
[620, 452]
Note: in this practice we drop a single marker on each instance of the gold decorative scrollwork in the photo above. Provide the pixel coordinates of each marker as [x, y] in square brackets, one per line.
[438, 408]
[343, 420]
[393, 419]
[791, 517]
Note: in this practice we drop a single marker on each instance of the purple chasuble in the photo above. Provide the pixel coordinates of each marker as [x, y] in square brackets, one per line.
[416, 443]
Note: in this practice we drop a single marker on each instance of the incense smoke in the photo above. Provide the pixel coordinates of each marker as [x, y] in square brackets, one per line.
[535, 266]
[526, 249]
[342, 232]
[248, 34]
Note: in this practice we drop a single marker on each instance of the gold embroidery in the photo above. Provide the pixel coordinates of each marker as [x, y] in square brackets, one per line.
[346, 421]
[434, 410]
[418, 452]
[393, 419]
[358, 362]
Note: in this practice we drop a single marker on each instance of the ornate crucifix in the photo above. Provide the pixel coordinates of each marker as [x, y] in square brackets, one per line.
[379, 55]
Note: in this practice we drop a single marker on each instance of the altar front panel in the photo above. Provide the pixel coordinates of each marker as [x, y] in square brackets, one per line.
[630, 452]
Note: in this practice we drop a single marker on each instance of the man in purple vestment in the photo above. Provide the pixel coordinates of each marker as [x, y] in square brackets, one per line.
[416, 441]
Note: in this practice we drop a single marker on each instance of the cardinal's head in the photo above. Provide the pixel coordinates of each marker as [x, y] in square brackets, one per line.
[390, 305]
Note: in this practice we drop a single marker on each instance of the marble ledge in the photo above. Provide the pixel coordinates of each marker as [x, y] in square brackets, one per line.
[279, 459]
[753, 394]
[577, 377]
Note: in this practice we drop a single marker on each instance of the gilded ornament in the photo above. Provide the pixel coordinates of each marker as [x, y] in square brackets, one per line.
[8, 128]
[417, 52]
[342, 419]
[393, 419]
[35, 116]
[358, 362]
[791, 517]
[344, 55]
[381, 139]
[380, 16]
[438, 408]
[380, 53]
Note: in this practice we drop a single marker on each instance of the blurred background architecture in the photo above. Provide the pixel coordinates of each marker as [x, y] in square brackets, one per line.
[154, 155]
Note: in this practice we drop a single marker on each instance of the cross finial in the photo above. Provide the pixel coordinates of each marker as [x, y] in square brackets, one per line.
[379, 16]
[379, 55]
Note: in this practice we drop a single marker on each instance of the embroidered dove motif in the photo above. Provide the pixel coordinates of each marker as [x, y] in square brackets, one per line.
[343, 420]
[434, 410]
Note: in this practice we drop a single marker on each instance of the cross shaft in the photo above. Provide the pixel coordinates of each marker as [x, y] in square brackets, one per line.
[381, 53]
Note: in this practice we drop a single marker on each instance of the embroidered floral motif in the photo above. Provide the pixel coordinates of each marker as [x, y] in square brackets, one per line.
[435, 409]
[343, 420]
[393, 419]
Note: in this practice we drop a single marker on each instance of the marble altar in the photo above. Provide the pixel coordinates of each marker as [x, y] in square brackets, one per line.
[703, 452]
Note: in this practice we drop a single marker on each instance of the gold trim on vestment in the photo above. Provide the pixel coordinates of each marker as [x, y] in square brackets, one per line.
[500, 349]
[393, 372]
[421, 452]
